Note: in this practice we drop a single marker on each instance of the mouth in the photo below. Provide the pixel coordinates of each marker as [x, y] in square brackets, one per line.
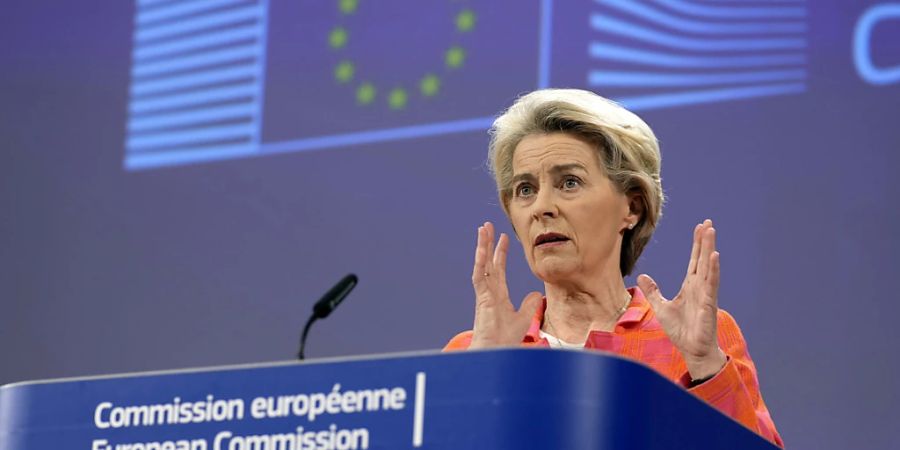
[550, 239]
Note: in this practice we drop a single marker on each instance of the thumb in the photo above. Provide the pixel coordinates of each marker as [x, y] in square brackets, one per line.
[530, 305]
[651, 290]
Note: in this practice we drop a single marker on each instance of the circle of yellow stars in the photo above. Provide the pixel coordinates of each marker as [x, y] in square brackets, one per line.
[429, 84]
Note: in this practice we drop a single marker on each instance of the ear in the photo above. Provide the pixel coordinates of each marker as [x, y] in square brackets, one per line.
[635, 209]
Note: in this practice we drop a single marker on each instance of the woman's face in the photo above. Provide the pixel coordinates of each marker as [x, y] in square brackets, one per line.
[567, 214]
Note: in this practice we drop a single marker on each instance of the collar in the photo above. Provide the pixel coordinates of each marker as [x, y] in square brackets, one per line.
[634, 314]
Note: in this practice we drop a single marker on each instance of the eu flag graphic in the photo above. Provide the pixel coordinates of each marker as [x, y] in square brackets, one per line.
[219, 79]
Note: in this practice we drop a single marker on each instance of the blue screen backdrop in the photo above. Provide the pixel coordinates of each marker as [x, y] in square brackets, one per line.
[183, 179]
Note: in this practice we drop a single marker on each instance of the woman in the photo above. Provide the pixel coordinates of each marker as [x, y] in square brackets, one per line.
[578, 178]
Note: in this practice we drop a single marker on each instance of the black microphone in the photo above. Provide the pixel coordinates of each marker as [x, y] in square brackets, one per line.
[327, 304]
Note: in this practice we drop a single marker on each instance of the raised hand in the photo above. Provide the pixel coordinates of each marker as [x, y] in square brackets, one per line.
[497, 323]
[689, 319]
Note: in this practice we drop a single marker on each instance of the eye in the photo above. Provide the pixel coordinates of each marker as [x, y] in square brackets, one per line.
[571, 183]
[524, 190]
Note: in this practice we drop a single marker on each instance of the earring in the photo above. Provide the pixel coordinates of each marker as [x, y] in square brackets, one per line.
[631, 225]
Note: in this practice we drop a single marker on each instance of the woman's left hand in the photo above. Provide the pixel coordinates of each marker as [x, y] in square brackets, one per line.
[689, 319]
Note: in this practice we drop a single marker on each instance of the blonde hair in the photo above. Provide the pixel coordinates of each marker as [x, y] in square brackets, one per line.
[626, 147]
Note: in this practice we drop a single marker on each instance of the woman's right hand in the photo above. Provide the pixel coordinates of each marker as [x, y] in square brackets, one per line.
[497, 323]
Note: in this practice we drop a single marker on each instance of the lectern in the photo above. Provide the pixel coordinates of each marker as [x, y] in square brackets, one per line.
[498, 399]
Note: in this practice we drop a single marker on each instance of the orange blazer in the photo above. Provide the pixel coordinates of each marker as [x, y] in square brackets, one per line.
[639, 336]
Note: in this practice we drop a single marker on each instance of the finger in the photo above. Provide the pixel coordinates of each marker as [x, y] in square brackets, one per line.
[480, 257]
[712, 251]
[529, 308]
[713, 278]
[707, 246]
[651, 291]
[489, 228]
[500, 254]
[695, 250]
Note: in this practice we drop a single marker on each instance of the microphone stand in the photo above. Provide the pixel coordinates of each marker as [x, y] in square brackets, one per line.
[326, 305]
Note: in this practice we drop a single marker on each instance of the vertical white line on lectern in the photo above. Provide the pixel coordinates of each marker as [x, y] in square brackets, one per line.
[419, 413]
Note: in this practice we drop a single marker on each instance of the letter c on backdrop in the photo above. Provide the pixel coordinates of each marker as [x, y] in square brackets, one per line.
[862, 39]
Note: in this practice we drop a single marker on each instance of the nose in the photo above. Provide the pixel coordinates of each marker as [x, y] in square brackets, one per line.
[545, 205]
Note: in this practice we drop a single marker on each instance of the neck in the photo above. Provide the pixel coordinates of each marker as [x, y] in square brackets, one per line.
[574, 309]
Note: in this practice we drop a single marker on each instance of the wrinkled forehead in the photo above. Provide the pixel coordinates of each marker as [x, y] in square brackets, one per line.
[540, 153]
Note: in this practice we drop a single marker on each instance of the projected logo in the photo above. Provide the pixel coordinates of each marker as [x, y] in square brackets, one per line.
[196, 89]
[219, 79]
[666, 53]
[862, 42]
[427, 84]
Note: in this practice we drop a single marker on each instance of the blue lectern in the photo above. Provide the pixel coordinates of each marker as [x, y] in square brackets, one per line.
[501, 399]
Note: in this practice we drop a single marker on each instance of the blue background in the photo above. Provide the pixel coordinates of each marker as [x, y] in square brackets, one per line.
[105, 269]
